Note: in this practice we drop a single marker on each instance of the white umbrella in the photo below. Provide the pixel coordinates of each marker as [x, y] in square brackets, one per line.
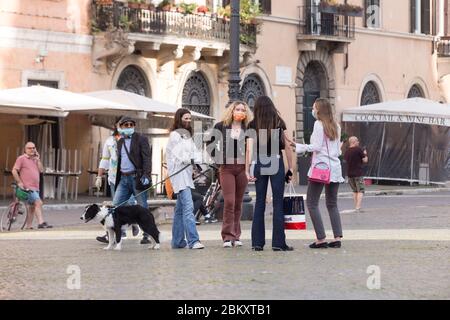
[140, 102]
[41, 100]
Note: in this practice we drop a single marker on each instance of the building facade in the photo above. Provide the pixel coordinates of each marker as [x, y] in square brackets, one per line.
[300, 50]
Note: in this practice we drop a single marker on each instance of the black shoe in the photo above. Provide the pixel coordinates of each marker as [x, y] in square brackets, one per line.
[145, 240]
[286, 248]
[257, 248]
[335, 244]
[44, 225]
[103, 239]
[318, 246]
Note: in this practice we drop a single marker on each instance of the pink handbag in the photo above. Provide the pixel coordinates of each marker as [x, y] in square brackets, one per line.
[321, 175]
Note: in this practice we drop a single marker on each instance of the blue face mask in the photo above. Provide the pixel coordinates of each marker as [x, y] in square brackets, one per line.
[127, 132]
[314, 114]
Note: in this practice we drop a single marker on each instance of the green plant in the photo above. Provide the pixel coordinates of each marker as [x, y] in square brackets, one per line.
[188, 8]
[224, 12]
[249, 11]
[124, 23]
[163, 4]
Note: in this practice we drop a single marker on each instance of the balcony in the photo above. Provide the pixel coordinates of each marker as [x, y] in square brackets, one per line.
[168, 23]
[443, 47]
[317, 25]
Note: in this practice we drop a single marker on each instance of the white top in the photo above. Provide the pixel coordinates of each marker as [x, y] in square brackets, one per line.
[319, 147]
[109, 158]
[179, 152]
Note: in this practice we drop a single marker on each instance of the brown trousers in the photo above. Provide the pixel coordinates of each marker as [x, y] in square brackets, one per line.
[233, 181]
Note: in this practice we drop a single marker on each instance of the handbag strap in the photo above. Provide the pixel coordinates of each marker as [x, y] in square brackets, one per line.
[328, 151]
[128, 154]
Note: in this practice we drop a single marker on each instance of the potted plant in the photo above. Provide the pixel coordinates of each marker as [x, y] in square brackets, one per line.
[104, 2]
[329, 6]
[249, 11]
[125, 23]
[187, 8]
[164, 5]
[224, 12]
[352, 10]
[203, 9]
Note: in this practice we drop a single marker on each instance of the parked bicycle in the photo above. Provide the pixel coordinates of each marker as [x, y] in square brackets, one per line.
[211, 199]
[15, 215]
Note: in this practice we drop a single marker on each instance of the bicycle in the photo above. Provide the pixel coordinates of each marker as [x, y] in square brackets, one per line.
[211, 198]
[15, 215]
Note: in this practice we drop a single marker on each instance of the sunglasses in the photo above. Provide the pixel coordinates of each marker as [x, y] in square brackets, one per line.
[128, 125]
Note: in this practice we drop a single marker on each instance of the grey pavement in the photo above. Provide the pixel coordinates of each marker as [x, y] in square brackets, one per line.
[404, 239]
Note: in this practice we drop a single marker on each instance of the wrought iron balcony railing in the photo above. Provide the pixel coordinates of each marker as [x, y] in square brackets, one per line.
[443, 47]
[198, 26]
[315, 22]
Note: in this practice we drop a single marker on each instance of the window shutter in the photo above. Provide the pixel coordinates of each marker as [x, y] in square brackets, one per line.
[426, 12]
[413, 16]
[266, 6]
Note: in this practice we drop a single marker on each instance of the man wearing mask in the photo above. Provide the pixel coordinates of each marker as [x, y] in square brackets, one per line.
[133, 168]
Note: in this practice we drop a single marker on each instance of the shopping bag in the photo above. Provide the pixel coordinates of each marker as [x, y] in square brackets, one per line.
[294, 210]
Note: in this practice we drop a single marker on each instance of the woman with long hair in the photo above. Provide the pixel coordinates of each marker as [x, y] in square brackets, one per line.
[233, 178]
[270, 138]
[326, 148]
[180, 154]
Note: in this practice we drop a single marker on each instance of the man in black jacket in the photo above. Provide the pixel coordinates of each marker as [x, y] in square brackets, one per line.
[133, 168]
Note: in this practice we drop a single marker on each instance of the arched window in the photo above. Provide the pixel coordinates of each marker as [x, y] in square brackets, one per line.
[252, 88]
[370, 94]
[196, 96]
[416, 92]
[132, 79]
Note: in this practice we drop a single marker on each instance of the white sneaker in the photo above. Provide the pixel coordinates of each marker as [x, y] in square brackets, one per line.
[227, 244]
[238, 243]
[198, 245]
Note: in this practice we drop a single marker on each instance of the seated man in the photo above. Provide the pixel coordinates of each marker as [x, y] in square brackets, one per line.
[26, 172]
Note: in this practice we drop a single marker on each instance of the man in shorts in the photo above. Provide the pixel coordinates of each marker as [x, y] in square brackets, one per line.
[355, 158]
[26, 172]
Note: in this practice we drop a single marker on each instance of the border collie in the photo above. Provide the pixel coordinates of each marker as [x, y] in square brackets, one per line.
[113, 219]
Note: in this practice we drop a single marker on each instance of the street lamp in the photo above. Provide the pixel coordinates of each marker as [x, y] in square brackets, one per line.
[234, 73]
[234, 80]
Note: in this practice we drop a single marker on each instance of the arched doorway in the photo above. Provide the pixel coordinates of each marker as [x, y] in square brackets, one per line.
[315, 78]
[132, 79]
[252, 88]
[371, 94]
[315, 85]
[416, 92]
[196, 94]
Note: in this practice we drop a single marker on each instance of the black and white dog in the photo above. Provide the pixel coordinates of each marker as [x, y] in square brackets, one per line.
[113, 219]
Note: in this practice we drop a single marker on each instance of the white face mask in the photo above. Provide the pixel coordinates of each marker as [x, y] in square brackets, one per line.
[314, 114]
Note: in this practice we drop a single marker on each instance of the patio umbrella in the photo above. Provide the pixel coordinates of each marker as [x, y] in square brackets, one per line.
[140, 102]
[45, 101]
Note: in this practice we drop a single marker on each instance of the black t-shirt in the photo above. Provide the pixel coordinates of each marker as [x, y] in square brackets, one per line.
[268, 146]
[353, 157]
[233, 148]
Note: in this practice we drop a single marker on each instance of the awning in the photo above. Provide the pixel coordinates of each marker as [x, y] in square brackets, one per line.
[414, 110]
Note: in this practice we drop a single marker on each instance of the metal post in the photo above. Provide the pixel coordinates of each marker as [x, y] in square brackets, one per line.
[412, 153]
[234, 78]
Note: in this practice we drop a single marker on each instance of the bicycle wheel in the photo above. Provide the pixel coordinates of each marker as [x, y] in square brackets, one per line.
[15, 216]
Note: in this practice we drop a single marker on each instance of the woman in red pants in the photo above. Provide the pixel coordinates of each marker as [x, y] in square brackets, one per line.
[230, 140]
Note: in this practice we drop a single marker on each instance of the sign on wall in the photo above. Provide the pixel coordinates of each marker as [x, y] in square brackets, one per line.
[399, 118]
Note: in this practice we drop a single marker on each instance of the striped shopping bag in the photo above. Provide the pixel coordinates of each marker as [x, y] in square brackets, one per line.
[294, 210]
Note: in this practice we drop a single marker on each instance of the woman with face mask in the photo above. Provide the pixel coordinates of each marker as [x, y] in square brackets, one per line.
[180, 153]
[231, 144]
[326, 148]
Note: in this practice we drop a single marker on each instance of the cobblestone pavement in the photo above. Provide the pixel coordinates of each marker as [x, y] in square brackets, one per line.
[404, 240]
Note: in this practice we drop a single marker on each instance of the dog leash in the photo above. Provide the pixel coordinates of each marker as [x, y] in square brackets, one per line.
[154, 185]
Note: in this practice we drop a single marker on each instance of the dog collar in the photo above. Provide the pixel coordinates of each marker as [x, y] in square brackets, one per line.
[110, 212]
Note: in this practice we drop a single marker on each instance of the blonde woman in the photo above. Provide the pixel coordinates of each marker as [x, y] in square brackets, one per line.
[233, 179]
[326, 146]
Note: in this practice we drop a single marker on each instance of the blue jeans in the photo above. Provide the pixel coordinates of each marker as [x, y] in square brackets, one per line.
[127, 189]
[112, 188]
[277, 182]
[184, 221]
